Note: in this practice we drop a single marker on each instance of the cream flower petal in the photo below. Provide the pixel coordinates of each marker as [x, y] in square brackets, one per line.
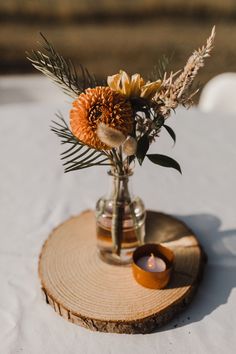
[135, 85]
[114, 82]
[149, 90]
[125, 83]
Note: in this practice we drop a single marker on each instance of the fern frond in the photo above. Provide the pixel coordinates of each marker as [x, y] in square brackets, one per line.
[160, 68]
[78, 156]
[60, 70]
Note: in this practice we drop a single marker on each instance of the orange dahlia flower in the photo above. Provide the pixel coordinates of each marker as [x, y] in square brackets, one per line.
[100, 105]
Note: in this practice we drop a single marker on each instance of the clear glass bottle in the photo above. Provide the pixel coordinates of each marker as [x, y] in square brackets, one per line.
[120, 222]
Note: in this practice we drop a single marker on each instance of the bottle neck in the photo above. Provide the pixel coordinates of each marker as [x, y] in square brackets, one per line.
[120, 186]
[121, 176]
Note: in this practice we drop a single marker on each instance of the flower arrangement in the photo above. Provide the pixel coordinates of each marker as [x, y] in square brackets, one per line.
[114, 123]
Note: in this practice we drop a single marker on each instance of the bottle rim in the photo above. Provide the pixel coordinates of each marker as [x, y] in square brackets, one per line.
[120, 176]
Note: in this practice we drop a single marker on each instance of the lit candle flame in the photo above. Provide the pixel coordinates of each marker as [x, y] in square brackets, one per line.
[151, 261]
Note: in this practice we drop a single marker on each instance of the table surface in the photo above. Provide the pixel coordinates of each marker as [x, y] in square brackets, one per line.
[36, 196]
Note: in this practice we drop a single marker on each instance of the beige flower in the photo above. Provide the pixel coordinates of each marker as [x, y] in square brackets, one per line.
[134, 86]
[130, 146]
[110, 136]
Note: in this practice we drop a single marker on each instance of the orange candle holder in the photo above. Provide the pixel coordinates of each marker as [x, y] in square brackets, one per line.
[148, 279]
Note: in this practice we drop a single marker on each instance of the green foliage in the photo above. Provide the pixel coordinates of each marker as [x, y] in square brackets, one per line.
[78, 156]
[164, 161]
[161, 68]
[170, 132]
[61, 70]
[139, 104]
[142, 148]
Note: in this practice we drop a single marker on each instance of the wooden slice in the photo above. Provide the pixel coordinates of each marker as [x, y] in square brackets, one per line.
[103, 297]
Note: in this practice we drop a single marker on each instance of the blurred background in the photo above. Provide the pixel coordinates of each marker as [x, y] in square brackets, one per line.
[107, 35]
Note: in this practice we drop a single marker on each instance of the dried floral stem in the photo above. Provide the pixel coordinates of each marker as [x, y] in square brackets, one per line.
[176, 91]
[194, 63]
[117, 218]
[118, 204]
[121, 195]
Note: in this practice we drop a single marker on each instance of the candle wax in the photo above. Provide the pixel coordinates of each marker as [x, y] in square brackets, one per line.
[151, 263]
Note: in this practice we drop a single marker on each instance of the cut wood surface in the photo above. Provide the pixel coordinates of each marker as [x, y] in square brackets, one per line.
[103, 297]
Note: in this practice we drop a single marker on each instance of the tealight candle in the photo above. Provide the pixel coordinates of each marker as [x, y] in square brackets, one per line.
[151, 263]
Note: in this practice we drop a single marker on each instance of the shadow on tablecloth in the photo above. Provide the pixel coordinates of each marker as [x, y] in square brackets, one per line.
[220, 272]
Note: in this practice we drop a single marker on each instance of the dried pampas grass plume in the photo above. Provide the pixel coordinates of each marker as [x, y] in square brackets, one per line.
[110, 136]
[176, 90]
[194, 63]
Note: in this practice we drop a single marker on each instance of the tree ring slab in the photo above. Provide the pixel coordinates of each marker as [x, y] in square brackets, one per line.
[103, 297]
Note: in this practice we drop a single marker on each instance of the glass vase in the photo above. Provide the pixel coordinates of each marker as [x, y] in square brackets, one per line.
[120, 221]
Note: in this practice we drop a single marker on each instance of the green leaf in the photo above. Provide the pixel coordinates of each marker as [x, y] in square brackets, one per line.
[170, 131]
[142, 148]
[164, 161]
[158, 122]
[130, 159]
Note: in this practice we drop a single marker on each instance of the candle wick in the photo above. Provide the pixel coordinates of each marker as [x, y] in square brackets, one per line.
[151, 261]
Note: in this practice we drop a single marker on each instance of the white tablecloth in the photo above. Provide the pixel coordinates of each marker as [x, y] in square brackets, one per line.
[36, 196]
